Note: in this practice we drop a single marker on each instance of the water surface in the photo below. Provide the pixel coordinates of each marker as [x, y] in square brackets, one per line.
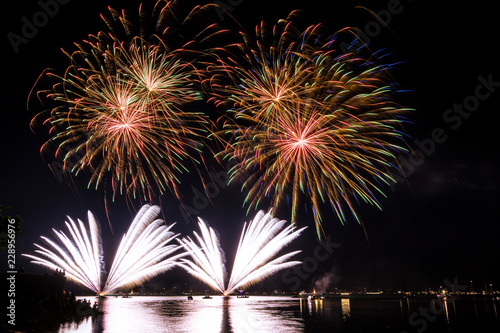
[280, 314]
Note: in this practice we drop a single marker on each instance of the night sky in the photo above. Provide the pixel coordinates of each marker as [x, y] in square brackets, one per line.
[441, 222]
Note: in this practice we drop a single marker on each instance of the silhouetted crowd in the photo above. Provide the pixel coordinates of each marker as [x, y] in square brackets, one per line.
[41, 302]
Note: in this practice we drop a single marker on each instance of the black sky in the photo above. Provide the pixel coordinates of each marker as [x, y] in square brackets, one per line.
[439, 223]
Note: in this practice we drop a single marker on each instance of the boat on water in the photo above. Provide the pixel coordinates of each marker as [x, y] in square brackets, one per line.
[207, 297]
[241, 296]
[314, 297]
[190, 298]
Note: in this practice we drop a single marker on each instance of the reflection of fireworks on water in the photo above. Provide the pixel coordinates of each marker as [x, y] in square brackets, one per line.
[144, 252]
[260, 242]
[122, 107]
[306, 120]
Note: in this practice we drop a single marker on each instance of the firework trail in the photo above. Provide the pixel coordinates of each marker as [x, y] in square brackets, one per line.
[255, 258]
[123, 105]
[305, 120]
[143, 253]
[208, 263]
[79, 256]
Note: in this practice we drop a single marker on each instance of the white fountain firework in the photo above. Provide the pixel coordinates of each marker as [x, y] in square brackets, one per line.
[143, 253]
[260, 241]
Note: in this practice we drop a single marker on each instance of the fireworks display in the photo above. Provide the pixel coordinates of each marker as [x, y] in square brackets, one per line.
[307, 120]
[289, 132]
[80, 257]
[143, 253]
[255, 258]
[123, 107]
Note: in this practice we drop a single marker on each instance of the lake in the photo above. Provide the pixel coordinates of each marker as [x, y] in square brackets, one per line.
[280, 314]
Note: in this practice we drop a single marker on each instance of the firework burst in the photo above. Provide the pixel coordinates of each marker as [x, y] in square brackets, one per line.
[307, 121]
[255, 258]
[124, 106]
[144, 252]
[259, 78]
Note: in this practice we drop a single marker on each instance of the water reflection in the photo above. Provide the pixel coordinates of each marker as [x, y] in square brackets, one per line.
[281, 314]
[263, 314]
[314, 306]
[177, 314]
[446, 311]
[346, 308]
[81, 326]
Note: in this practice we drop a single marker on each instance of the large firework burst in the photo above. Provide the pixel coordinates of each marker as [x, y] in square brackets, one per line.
[257, 78]
[307, 120]
[123, 105]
